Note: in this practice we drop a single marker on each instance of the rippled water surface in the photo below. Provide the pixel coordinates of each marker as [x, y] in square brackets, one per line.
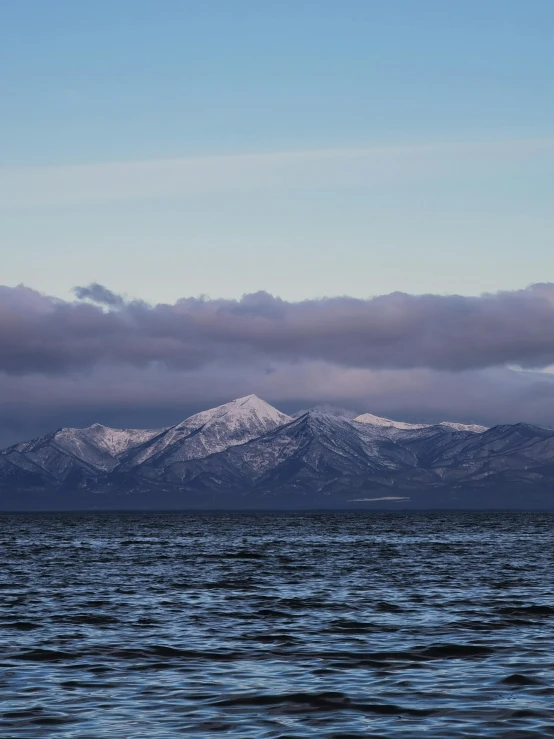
[277, 625]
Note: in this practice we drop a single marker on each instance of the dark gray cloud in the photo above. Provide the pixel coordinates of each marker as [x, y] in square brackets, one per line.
[99, 294]
[155, 396]
[40, 334]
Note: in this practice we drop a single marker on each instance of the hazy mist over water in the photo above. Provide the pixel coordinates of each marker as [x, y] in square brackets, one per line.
[267, 625]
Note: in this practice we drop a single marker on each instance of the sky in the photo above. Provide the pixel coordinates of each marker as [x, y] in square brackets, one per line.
[301, 150]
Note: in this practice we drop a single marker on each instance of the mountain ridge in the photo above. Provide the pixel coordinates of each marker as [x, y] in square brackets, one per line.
[249, 453]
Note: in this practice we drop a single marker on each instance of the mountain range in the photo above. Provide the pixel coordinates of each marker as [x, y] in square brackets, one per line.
[247, 454]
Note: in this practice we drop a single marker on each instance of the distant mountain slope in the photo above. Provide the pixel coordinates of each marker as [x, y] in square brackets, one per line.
[69, 453]
[246, 452]
[319, 446]
[387, 423]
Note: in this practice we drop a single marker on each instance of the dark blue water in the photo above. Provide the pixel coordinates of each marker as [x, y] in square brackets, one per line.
[277, 625]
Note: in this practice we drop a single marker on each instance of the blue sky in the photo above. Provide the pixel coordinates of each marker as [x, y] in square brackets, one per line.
[306, 148]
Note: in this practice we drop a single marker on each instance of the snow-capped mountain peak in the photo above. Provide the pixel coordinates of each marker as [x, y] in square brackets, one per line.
[250, 409]
[96, 447]
[388, 423]
[212, 431]
[116, 441]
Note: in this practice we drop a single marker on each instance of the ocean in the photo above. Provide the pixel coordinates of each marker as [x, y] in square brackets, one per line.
[277, 625]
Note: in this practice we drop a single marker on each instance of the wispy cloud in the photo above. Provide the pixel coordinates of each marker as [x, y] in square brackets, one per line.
[165, 178]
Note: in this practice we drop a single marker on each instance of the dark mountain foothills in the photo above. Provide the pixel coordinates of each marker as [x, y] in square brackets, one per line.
[248, 455]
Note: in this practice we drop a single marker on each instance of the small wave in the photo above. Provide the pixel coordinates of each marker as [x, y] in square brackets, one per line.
[517, 679]
[21, 625]
[329, 701]
[245, 554]
[455, 651]
[539, 611]
[92, 619]
[44, 655]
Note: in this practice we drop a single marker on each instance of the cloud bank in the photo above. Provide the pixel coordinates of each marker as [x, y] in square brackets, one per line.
[102, 357]
[41, 334]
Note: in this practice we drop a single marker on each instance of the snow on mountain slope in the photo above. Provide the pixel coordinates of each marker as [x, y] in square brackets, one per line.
[247, 447]
[369, 418]
[474, 428]
[68, 450]
[313, 440]
[209, 432]
[112, 441]
[387, 423]
[318, 447]
[516, 452]
[251, 412]
[328, 410]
